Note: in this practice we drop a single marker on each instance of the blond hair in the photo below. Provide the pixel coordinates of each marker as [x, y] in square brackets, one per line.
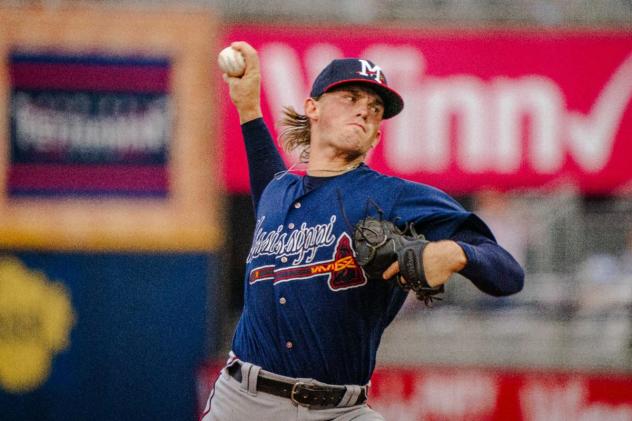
[295, 132]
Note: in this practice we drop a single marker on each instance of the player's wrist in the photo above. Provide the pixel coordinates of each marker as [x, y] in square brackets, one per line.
[249, 114]
[457, 257]
[446, 254]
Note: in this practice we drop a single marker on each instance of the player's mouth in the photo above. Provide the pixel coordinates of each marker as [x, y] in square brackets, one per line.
[359, 126]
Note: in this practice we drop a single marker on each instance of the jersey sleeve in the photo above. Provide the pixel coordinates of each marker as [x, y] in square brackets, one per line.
[438, 216]
[433, 212]
[264, 159]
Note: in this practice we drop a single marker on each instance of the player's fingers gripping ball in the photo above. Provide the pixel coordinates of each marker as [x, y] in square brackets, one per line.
[231, 62]
[379, 243]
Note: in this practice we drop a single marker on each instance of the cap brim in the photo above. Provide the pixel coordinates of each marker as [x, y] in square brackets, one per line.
[393, 102]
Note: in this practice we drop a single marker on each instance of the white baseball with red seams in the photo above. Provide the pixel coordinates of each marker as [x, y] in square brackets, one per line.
[231, 62]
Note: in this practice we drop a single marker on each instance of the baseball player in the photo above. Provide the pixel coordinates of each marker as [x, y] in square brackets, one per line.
[305, 345]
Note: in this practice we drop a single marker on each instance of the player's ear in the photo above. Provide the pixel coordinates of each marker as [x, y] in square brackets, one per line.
[378, 137]
[311, 108]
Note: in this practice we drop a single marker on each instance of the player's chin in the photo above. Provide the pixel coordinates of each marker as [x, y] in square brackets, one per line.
[352, 148]
[357, 142]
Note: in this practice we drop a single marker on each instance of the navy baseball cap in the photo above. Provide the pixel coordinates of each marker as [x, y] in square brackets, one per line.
[355, 71]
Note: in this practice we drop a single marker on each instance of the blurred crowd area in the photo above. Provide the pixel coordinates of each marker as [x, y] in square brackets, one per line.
[439, 12]
[575, 311]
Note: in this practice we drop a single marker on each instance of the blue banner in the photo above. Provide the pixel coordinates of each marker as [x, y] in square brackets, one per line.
[89, 124]
[104, 336]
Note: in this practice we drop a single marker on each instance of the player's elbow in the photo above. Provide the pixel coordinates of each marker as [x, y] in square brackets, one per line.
[516, 281]
[512, 281]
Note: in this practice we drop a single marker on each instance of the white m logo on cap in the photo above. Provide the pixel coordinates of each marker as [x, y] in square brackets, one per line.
[372, 71]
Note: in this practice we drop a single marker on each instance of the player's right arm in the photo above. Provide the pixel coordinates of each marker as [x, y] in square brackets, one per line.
[245, 91]
[264, 159]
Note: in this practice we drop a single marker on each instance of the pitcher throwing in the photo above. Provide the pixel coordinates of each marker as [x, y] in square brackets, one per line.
[323, 276]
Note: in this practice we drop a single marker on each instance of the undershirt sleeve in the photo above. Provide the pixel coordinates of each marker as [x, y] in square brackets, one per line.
[264, 159]
[489, 266]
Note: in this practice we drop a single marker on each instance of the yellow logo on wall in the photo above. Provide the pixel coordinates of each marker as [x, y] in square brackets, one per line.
[35, 320]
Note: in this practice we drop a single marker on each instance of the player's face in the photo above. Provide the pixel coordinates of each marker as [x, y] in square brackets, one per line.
[348, 119]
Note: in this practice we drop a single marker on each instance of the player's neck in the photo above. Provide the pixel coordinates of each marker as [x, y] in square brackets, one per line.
[322, 166]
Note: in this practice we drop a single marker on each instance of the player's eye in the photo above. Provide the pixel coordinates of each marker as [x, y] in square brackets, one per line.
[377, 109]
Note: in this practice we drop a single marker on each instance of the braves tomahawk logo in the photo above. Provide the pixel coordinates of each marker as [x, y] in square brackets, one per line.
[342, 271]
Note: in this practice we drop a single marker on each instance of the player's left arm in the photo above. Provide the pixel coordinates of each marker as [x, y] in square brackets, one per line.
[489, 266]
[441, 259]
[480, 259]
[460, 242]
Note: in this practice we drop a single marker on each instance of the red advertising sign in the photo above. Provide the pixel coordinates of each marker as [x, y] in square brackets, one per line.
[502, 108]
[470, 394]
[451, 394]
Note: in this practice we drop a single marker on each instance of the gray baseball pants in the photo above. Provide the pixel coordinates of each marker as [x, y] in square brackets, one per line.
[231, 400]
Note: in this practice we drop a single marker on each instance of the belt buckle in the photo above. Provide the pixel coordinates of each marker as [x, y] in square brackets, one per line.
[309, 388]
[295, 392]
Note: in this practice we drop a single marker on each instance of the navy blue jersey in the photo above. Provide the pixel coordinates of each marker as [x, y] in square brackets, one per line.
[310, 311]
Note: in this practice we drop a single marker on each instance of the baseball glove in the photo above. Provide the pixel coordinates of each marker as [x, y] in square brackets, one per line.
[379, 243]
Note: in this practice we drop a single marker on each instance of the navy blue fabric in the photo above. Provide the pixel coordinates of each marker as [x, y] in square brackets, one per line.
[309, 310]
[490, 267]
[138, 338]
[310, 183]
[264, 160]
[354, 71]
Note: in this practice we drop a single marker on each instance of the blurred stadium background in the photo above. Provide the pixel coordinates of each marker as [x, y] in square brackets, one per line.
[143, 279]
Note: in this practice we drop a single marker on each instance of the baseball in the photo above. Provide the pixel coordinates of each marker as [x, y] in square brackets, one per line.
[231, 62]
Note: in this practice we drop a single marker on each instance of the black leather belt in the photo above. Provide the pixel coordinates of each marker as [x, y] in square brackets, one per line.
[305, 394]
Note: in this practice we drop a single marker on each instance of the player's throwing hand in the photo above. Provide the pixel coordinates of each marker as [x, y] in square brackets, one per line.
[245, 90]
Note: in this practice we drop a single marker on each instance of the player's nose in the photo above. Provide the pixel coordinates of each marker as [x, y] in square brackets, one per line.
[362, 108]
